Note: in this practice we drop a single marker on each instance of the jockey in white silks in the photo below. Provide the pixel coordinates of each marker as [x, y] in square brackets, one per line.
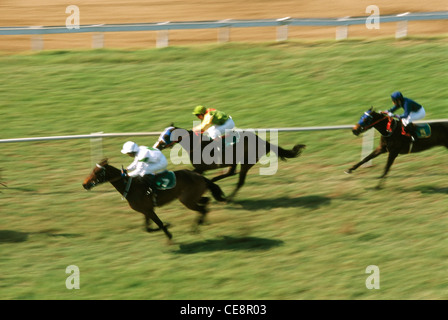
[147, 162]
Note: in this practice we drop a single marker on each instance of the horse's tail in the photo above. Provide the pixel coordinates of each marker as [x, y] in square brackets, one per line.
[216, 191]
[284, 154]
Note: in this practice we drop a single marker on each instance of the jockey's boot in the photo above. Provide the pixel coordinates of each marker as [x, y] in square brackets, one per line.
[151, 187]
[410, 128]
[150, 184]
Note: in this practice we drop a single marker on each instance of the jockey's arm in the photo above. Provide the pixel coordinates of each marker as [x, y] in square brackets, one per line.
[407, 109]
[393, 109]
[205, 124]
[139, 169]
[133, 165]
[138, 166]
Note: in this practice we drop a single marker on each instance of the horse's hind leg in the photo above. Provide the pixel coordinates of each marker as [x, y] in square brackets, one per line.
[241, 180]
[199, 205]
[229, 173]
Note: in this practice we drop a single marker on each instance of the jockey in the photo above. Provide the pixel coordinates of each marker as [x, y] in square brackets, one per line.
[412, 111]
[147, 163]
[214, 123]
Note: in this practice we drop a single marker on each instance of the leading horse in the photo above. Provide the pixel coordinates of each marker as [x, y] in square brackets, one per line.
[189, 188]
[394, 140]
[245, 148]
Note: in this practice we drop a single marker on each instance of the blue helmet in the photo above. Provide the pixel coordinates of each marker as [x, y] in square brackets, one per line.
[396, 96]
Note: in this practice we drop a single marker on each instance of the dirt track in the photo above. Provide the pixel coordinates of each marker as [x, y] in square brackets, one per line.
[52, 12]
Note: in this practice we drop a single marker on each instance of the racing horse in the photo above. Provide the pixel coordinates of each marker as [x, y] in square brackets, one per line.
[395, 140]
[189, 188]
[243, 147]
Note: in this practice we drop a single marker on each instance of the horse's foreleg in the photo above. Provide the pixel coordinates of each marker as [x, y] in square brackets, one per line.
[148, 223]
[375, 153]
[390, 161]
[151, 215]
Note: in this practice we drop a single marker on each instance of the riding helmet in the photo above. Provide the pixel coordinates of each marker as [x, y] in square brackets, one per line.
[129, 147]
[396, 96]
[199, 110]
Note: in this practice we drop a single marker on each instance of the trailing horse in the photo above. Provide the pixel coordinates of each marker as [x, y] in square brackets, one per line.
[189, 188]
[239, 147]
[395, 140]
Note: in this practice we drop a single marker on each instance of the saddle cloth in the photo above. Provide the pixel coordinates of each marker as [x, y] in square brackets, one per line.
[165, 180]
[423, 130]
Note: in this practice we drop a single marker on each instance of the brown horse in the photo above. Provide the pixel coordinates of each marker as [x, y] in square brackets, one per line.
[393, 139]
[246, 149]
[189, 188]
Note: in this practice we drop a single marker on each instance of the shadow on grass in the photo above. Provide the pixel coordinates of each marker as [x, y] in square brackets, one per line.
[431, 189]
[229, 244]
[10, 236]
[309, 202]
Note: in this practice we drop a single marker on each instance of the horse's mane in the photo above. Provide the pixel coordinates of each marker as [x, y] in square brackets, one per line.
[104, 162]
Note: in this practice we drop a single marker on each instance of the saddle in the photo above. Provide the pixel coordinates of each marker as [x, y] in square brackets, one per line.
[162, 181]
[231, 139]
[165, 180]
[421, 131]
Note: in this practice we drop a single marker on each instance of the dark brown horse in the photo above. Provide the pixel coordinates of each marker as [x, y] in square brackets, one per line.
[239, 147]
[189, 188]
[393, 139]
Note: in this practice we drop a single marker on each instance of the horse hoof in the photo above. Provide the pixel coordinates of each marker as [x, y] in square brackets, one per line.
[349, 171]
[166, 225]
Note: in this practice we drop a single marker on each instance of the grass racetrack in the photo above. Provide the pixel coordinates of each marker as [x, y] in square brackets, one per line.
[307, 232]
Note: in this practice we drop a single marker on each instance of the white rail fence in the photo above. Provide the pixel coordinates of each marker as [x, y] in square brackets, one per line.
[96, 138]
[223, 26]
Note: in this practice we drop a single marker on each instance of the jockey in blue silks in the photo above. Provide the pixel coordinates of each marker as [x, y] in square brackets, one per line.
[412, 111]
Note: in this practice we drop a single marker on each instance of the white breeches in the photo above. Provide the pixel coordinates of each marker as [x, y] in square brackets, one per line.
[413, 116]
[216, 131]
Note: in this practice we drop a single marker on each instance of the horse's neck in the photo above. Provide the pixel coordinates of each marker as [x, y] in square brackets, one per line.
[115, 179]
[193, 143]
[381, 126]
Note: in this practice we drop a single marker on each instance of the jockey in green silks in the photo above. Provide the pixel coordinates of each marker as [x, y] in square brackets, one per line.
[214, 123]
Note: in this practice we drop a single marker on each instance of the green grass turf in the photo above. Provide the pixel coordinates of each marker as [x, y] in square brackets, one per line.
[307, 232]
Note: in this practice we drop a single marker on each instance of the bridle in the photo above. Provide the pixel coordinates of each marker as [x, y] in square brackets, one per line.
[100, 176]
[364, 128]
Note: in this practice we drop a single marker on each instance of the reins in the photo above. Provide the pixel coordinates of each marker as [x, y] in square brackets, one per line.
[378, 121]
[128, 183]
[126, 190]
[374, 123]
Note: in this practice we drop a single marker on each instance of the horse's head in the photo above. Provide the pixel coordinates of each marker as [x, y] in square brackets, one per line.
[97, 176]
[367, 121]
[170, 136]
